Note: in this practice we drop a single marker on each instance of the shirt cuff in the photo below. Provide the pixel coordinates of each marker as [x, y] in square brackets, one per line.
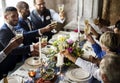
[39, 32]
[31, 48]
[2, 56]
[77, 61]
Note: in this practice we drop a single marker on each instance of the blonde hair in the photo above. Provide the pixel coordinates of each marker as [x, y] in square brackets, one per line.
[110, 40]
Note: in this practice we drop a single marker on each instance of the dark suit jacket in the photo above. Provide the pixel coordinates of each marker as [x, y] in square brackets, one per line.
[22, 24]
[16, 55]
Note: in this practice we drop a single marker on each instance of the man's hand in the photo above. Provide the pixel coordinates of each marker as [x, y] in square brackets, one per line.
[15, 42]
[94, 60]
[62, 15]
[35, 52]
[49, 27]
[90, 38]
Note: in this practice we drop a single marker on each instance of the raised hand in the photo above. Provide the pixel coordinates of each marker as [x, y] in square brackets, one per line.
[90, 38]
[15, 42]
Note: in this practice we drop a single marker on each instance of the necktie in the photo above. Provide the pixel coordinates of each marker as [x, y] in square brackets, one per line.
[29, 24]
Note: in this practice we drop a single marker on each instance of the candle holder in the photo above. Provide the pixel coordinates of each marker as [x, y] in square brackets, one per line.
[32, 74]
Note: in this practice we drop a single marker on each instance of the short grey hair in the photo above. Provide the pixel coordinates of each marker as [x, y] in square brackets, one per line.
[110, 66]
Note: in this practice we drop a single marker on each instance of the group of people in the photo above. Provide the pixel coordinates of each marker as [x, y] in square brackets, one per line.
[15, 49]
[106, 67]
[39, 22]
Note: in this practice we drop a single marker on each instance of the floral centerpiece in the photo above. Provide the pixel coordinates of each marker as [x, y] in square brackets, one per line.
[63, 43]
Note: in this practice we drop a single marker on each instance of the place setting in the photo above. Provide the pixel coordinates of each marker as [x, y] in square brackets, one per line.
[12, 79]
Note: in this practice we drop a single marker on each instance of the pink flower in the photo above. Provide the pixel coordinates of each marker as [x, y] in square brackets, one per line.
[70, 49]
[69, 41]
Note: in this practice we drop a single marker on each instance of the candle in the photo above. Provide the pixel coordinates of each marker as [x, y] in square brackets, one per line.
[78, 26]
[60, 60]
[39, 48]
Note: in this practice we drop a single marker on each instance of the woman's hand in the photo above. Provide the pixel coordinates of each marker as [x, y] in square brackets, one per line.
[65, 53]
[90, 38]
[69, 56]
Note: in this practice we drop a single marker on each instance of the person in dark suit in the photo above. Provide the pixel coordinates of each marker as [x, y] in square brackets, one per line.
[24, 12]
[41, 16]
[7, 32]
[24, 22]
[14, 42]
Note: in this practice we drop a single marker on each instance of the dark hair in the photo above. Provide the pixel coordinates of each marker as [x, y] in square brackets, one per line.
[104, 22]
[20, 5]
[117, 24]
[10, 9]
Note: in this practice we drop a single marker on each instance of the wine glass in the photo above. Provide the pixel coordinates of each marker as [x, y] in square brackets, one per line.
[60, 7]
[87, 28]
[44, 39]
[61, 11]
[19, 33]
[54, 22]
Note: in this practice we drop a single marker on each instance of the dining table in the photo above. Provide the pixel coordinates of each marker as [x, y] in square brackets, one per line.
[21, 75]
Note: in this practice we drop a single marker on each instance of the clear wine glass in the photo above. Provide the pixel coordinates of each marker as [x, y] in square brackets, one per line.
[54, 30]
[44, 39]
[60, 7]
[19, 33]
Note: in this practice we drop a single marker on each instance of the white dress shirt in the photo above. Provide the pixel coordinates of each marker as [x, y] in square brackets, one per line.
[2, 56]
[89, 67]
[55, 16]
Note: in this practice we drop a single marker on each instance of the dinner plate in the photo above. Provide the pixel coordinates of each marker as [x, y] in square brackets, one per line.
[33, 61]
[15, 79]
[78, 75]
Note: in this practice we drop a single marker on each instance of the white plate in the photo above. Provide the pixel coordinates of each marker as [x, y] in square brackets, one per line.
[78, 75]
[15, 79]
[33, 61]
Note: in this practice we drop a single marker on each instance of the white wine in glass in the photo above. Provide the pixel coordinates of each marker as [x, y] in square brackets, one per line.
[61, 7]
[19, 33]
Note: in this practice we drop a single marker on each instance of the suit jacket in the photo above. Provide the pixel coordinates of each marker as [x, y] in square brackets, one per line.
[16, 55]
[22, 24]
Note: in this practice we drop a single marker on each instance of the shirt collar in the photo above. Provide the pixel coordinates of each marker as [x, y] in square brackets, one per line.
[10, 26]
